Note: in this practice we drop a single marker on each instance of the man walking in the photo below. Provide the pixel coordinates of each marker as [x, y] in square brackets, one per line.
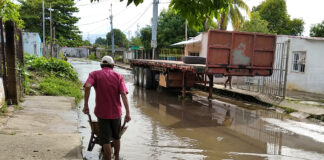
[109, 86]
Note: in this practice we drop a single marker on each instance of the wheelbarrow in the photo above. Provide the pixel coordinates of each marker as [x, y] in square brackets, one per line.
[94, 139]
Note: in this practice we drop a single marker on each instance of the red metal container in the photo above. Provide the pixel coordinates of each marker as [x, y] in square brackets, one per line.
[240, 53]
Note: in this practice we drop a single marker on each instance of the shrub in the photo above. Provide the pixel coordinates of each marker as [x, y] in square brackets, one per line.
[56, 67]
[92, 57]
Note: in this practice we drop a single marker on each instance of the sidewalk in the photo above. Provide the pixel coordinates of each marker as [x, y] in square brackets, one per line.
[305, 104]
[45, 129]
[123, 65]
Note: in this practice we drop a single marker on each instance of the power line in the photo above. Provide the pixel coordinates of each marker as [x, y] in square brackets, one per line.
[146, 9]
[93, 22]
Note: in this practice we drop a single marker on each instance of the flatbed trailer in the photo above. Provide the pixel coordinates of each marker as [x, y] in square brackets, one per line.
[228, 54]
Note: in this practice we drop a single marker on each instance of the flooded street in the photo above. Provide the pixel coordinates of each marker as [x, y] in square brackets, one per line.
[165, 127]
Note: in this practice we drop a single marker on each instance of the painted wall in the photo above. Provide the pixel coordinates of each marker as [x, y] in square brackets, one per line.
[75, 52]
[32, 43]
[2, 93]
[199, 47]
[312, 80]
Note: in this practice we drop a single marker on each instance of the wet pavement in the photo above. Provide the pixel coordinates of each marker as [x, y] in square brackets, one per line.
[165, 127]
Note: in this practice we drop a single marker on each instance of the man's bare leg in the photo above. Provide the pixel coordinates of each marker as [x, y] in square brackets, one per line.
[116, 148]
[107, 151]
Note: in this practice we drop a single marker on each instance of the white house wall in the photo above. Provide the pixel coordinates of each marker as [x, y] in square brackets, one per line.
[204, 43]
[312, 80]
[2, 93]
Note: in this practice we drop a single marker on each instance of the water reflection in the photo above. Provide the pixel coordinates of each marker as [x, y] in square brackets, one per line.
[227, 131]
[165, 127]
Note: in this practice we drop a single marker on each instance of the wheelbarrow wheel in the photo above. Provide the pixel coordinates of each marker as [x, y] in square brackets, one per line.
[91, 142]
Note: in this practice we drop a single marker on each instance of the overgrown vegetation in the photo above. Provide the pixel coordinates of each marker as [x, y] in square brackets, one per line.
[51, 77]
[4, 108]
[92, 57]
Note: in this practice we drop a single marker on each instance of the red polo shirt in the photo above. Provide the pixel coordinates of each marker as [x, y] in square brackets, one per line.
[108, 85]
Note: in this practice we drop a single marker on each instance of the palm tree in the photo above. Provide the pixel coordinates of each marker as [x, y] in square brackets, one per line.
[233, 13]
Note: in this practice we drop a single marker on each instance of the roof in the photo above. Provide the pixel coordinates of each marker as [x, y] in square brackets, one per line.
[196, 39]
[301, 37]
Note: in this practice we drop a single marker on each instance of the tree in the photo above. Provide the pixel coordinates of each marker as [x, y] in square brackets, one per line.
[195, 11]
[146, 36]
[255, 24]
[136, 41]
[275, 12]
[233, 13]
[9, 11]
[66, 31]
[101, 41]
[119, 38]
[171, 29]
[317, 30]
[296, 27]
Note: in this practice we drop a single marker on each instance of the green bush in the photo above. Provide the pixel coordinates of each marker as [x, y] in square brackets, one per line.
[92, 57]
[51, 77]
[54, 86]
[53, 66]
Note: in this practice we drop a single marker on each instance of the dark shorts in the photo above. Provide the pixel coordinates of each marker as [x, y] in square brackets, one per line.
[109, 130]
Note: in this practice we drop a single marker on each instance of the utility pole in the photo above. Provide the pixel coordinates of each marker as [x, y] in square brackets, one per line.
[43, 28]
[54, 34]
[51, 31]
[186, 30]
[112, 33]
[154, 26]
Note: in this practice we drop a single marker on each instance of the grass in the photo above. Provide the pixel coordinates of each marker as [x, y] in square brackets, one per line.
[92, 57]
[4, 108]
[287, 109]
[61, 87]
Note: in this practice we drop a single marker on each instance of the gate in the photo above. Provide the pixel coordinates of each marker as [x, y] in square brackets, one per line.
[272, 88]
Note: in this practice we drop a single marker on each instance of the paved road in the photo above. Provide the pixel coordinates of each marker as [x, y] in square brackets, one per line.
[165, 127]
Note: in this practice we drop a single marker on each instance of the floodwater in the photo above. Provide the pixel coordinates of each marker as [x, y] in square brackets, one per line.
[164, 127]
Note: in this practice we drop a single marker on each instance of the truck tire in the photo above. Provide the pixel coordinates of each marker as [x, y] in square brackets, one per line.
[194, 60]
[140, 76]
[147, 78]
[136, 77]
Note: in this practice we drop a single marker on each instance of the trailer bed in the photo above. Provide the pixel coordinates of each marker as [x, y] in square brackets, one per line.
[167, 64]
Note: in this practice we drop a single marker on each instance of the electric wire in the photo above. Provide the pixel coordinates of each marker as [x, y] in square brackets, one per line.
[146, 9]
[90, 23]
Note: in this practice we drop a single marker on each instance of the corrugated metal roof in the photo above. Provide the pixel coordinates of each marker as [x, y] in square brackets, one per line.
[196, 39]
[301, 37]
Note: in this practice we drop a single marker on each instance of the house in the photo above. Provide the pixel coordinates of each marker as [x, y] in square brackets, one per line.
[305, 63]
[32, 43]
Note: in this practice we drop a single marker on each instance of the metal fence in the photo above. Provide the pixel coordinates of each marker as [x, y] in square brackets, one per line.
[272, 88]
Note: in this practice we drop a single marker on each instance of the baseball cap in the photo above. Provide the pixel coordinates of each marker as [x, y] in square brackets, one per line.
[107, 60]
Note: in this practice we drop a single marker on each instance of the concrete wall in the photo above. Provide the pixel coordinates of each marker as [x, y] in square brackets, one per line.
[2, 93]
[75, 52]
[312, 80]
[32, 43]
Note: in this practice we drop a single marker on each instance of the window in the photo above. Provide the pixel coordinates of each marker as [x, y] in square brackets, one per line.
[194, 54]
[299, 61]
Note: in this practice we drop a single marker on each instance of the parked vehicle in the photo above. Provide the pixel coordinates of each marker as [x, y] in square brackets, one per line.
[228, 54]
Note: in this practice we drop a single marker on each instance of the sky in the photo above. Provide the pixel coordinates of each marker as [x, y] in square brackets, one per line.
[94, 21]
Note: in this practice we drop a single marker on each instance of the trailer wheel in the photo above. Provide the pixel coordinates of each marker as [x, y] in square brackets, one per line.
[147, 78]
[136, 77]
[140, 76]
[194, 60]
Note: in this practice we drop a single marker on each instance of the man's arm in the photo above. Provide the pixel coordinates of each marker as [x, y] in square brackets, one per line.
[125, 101]
[87, 89]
